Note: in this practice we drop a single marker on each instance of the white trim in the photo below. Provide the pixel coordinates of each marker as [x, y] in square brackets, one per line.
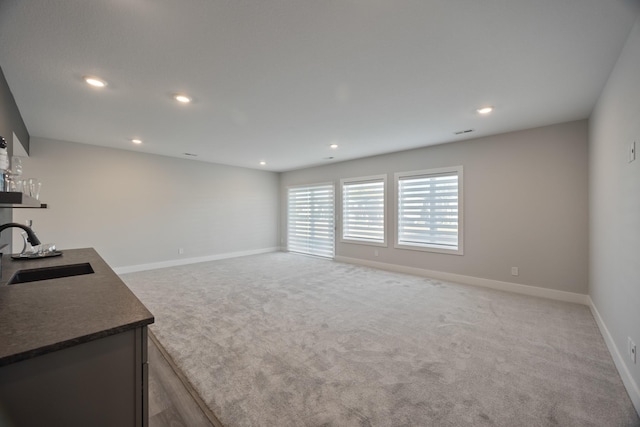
[535, 291]
[618, 359]
[439, 249]
[186, 261]
[370, 178]
[317, 184]
[364, 242]
[320, 184]
[340, 210]
[459, 170]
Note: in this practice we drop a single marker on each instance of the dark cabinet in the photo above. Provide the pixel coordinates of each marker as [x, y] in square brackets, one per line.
[102, 382]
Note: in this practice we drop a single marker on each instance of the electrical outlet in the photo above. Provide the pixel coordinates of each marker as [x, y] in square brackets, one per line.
[631, 348]
[375, 252]
[180, 251]
[515, 271]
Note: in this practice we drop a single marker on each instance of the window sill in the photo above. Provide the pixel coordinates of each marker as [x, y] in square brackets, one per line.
[364, 242]
[431, 248]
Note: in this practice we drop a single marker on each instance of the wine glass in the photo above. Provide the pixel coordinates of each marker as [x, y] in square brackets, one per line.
[16, 166]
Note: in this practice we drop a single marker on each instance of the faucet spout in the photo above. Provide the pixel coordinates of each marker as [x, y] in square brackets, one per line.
[31, 236]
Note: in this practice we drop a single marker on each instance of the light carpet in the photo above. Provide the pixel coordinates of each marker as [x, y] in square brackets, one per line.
[284, 340]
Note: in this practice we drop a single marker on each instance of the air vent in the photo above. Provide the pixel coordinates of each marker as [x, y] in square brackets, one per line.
[460, 132]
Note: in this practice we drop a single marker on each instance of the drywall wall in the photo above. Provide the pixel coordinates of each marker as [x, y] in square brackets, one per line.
[614, 193]
[139, 208]
[10, 118]
[525, 205]
[10, 123]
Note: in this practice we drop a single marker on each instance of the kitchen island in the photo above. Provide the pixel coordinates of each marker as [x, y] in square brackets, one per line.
[72, 349]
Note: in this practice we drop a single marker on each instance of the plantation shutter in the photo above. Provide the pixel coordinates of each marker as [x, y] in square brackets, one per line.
[311, 220]
[428, 210]
[363, 211]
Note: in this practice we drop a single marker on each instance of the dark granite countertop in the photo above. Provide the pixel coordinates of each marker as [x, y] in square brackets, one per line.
[49, 315]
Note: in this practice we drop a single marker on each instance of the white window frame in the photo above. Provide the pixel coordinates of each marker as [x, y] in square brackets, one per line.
[363, 180]
[333, 220]
[459, 170]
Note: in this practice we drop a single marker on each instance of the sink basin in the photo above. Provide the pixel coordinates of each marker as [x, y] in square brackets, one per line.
[46, 273]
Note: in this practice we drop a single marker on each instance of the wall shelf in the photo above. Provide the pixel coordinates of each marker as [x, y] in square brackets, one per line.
[14, 199]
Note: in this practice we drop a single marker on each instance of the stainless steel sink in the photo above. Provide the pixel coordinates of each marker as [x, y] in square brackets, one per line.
[46, 273]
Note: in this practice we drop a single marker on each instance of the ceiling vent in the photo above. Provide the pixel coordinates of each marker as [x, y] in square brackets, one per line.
[460, 132]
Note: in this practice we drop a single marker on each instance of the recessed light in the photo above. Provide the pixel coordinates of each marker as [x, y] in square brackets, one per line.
[333, 146]
[485, 110]
[182, 98]
[136, 141]
[95, 81]
[262, 163]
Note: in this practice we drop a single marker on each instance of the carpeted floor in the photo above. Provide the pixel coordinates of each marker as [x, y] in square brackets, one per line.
[286, 340]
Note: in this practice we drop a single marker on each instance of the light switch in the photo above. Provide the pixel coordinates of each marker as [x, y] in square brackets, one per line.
[632, 151]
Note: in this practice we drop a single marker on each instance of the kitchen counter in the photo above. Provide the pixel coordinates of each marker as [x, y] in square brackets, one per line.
[41, 317]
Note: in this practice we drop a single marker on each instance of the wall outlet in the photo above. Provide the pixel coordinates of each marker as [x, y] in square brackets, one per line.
[632, 151]
[631, 348]
[180, 251]
[375, 252]
[515, 271]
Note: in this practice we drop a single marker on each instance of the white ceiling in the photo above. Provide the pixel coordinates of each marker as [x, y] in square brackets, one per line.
[280, 80]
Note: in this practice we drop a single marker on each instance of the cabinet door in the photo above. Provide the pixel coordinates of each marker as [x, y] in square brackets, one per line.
[98, 383]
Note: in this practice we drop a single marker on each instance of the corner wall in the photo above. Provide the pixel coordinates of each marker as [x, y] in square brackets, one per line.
[614, 193]
[10, 118]
[10, 123]
[139, 209]
[525, 203]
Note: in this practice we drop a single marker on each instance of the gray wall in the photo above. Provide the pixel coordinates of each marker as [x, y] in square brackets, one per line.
[615, 204]
[139, 208]
[10, 119]
[10, 122]
[525, 205]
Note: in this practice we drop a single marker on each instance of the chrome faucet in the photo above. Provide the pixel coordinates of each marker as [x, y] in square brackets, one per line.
[31, 236]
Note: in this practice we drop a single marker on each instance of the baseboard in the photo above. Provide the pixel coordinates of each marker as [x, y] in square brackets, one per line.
[185, 261]
[618, 359]
[475, 281]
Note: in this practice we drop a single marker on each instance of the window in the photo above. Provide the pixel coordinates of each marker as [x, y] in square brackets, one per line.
[363, 204]
[429, 210]
[310, 222]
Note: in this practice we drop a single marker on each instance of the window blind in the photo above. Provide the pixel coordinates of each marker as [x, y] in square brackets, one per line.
[311, 220]
[428, 210]
[363, 211]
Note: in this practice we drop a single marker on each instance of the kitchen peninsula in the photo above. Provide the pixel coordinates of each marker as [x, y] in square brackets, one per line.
[73, 350]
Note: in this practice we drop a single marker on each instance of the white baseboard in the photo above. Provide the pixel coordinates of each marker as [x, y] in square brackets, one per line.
[475, 281]
[618, 359]
[185, 261]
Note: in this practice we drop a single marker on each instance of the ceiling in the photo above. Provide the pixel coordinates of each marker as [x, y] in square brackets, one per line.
[280, 80]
